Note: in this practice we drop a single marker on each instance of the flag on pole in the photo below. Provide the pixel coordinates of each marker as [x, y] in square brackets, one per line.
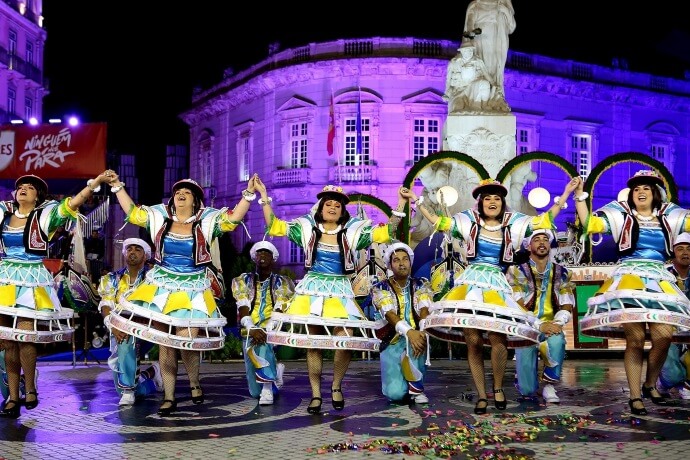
[331, 128]
[359, 121]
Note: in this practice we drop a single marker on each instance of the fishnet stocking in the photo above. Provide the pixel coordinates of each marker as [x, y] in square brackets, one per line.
[191, 360]
[167, 358]
[661, 335]
[475, 358]
[315, 367]
[633, 357]
[499, 360]
[341, 362]
[13, 368]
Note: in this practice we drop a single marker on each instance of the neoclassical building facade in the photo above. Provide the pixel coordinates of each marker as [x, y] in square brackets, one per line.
[383, 100]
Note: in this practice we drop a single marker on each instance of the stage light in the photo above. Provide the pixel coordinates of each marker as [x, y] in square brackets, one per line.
[33, 121]
[73, 121]
[54, 121]
[17, 122]
[539, 197]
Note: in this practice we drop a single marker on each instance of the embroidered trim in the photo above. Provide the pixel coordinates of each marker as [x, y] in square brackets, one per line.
[187, 220]
[20, 215]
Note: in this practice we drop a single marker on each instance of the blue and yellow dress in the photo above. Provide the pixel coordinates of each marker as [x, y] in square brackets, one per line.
[176, 292]
[640, 289]
[324, 297]
[27, 289]
[481, 297]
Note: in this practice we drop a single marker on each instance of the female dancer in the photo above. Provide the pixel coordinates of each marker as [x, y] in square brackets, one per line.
[324, 299]
[492, 234]
[176, 295]
[27, 289]
[644, 227]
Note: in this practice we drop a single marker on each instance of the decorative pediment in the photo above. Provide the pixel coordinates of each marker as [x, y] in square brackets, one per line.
[425, 96]
[297, 102]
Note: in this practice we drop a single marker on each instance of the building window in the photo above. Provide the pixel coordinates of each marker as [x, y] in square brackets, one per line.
[11, 101]
[245, 155]
[581, 153]
[12, 39]
[427, 138]
[28, 108]
[299, 144]
[205, 159]
[244, 146]
[357, 153]
[659, 152]
[296, 254]
[30, 52]
[523, 141]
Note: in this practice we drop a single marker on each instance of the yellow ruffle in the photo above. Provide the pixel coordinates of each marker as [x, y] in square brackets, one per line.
[458, 293]
[42, 299]
[144, 293]
[8, 295]
[210, 302]
[177, 301]
[631, 282]
[333, 308]
[494, 298]
[604, 287]
[667, 287]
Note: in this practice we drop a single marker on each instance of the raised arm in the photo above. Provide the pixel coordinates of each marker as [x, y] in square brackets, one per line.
[91, 187]
[248, 195]
[118, 188]
[563, 199]
[410, 195]
[580, 201]
[265, 199]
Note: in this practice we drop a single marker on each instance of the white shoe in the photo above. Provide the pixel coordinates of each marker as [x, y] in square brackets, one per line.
[684, 392]
[280, 368]
[157, 376]
[550, 395]
[266, 397]
[127, 398]
[421, 398]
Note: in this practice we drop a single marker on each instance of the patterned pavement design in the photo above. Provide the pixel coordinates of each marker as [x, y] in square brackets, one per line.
[78, 418]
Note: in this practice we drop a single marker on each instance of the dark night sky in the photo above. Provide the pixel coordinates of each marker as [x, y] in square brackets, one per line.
[135, 67]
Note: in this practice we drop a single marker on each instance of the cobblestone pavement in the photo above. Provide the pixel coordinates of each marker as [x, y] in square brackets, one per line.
[78, 418]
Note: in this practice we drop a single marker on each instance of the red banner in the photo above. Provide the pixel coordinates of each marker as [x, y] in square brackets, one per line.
[53, 151]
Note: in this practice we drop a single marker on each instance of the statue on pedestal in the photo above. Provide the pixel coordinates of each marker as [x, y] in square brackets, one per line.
[496, 21]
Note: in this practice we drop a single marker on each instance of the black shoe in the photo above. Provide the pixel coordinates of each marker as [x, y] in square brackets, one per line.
[31, 404]
[337, 405]
[12, 412]
[198, 399]
[314, 409]
[167, 411]
[500, 405]
[481, 410]
[635, 410]
[647, 393]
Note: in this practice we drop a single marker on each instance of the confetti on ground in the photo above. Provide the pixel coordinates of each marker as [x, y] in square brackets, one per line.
[480, 441]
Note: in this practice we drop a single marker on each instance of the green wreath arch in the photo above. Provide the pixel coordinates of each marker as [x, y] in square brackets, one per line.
[546, 157]
[447, 155]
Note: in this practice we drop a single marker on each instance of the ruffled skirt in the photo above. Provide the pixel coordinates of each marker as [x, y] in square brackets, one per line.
[481, 299]
[172, 309]
[638, 291]
[323, 314]
[28, 292]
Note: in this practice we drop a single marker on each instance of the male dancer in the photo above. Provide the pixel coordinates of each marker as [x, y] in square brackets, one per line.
[676, 370]
[403, 301]
[544, 288]
[257, 295]
[125, 350]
